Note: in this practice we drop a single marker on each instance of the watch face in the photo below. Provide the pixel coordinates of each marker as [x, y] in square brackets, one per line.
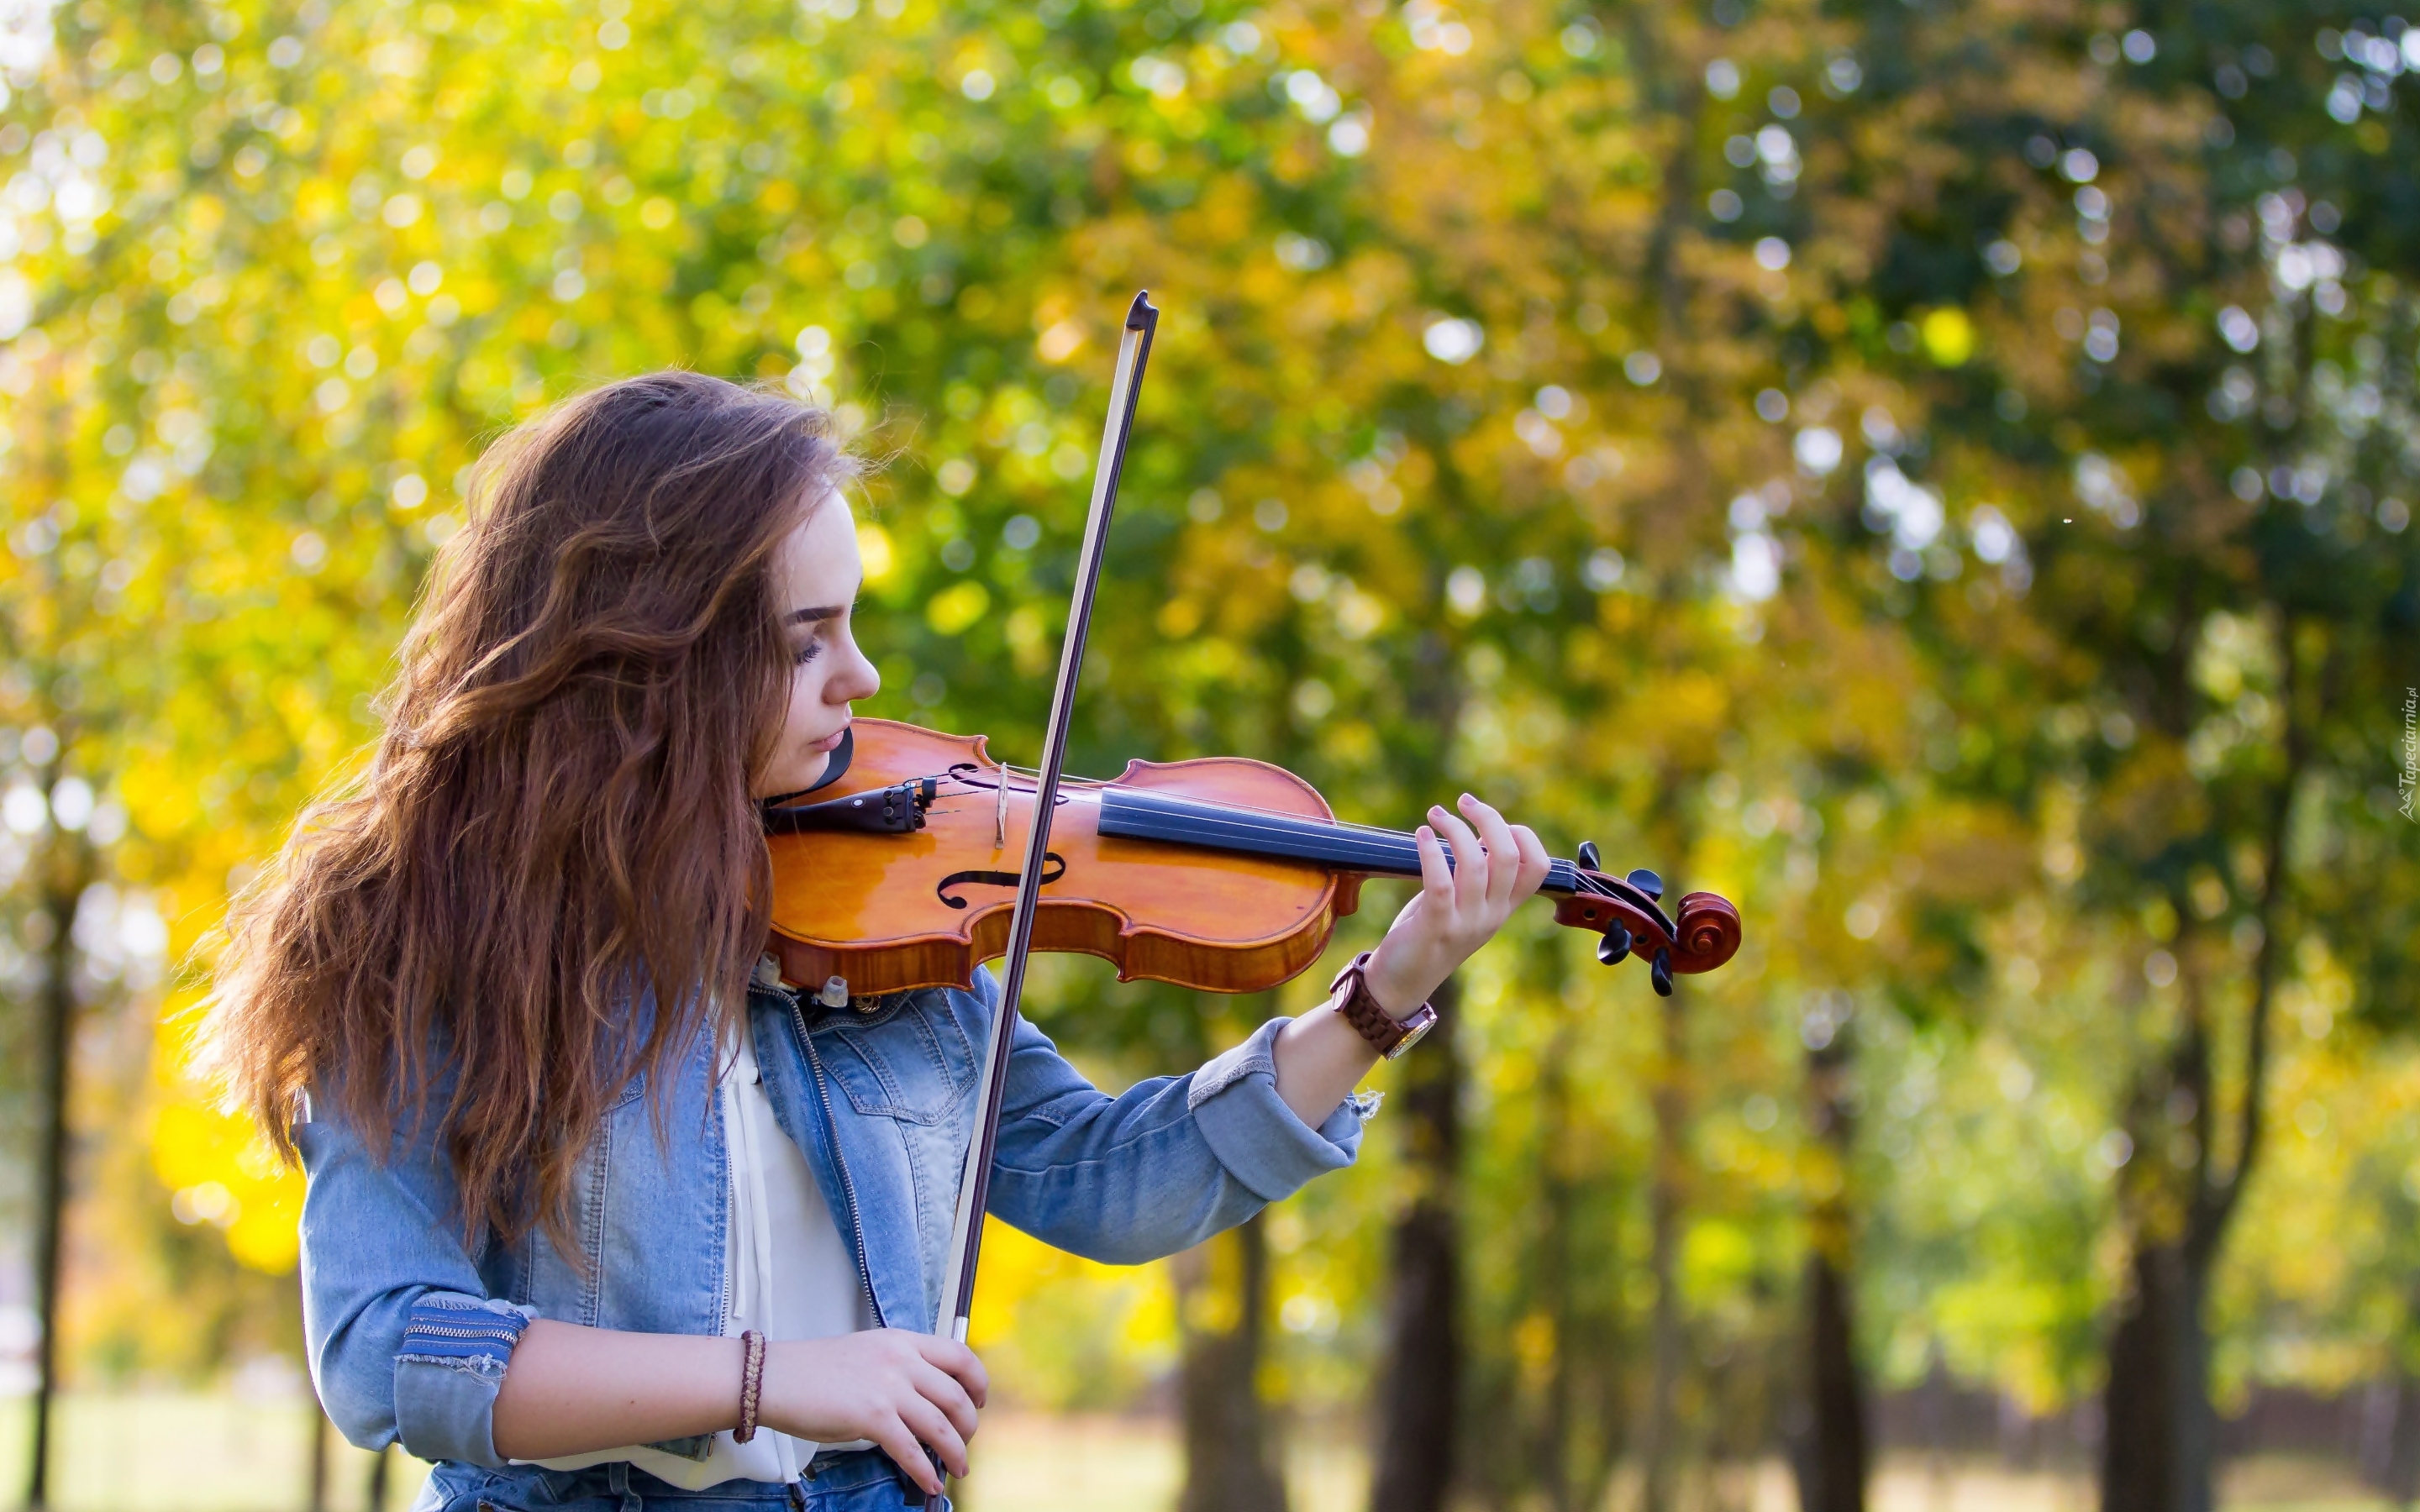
[1416, 1029]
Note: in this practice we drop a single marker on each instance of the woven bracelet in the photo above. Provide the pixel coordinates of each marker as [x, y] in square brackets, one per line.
[752, 1383]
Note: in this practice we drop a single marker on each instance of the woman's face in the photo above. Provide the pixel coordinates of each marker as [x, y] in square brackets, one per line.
[815, 579]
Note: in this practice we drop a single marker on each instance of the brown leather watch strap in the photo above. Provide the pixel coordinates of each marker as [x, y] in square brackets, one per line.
[1389, 1035]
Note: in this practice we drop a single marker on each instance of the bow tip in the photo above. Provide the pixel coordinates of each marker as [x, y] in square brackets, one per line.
[1142, 314]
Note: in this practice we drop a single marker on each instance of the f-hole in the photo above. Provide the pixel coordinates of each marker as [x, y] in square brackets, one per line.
[1054, 866]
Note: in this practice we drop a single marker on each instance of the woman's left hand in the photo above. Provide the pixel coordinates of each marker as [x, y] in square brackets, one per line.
[1459, 908]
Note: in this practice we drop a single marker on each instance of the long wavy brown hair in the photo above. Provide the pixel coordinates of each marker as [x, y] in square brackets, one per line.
[557, 819]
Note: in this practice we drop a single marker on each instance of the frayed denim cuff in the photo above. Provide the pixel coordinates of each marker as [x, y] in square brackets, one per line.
[447, 1372]
[1234, 1099]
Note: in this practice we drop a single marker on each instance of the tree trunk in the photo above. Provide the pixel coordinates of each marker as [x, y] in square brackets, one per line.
[1222, 1293]
[2399, 1473]
[1832, 1460]
[1554, 1273]
[65, 870]
[1419, 1412]
[320, 1428]
[2156, 1392]
[2160, 1446]
[1659, 1449]
[1832, 1466]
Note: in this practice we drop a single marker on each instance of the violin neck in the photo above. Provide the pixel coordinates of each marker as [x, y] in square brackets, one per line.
[1141, 814]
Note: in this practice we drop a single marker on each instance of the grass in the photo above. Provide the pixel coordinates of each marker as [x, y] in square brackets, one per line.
[140, 1452]
[191, 1452]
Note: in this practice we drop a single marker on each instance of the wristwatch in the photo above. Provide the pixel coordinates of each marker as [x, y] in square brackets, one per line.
[1390, 1035]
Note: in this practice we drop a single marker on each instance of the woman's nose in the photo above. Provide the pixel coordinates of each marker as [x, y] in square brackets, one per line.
[859, 679]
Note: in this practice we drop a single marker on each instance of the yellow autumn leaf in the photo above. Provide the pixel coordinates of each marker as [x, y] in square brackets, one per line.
[1948, 337]
[958, 607]
[874, 551]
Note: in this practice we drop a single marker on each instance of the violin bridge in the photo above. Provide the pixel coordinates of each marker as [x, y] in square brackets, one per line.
[1000, 813]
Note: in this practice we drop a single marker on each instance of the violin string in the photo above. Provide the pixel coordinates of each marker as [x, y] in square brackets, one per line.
[1582, 881]
[1296, 824]
[1345, 826]
[1249, 823]
[1286, 823]
[1331, 823]
[1281, 823]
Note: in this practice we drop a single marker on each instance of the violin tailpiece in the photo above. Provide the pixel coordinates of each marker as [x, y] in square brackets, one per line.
[897, 809]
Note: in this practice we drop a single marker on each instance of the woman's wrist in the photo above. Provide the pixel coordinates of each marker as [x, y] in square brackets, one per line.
[1399, 987]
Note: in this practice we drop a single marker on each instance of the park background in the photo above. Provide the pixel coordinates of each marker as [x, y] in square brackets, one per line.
[1936, 472]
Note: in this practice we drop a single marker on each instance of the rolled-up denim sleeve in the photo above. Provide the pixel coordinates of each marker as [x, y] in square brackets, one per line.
[1163, 1166]
[405, 1345]
[1260, 1141]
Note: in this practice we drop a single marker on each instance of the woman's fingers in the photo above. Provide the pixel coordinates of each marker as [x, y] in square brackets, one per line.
[932, 1426]
[958, 1361]
[927, 1398]
[897, 1441]
[1503, 853]
[1535, 863]
[1495, 865]
[1437, 879]
[946, 1391]
[1469, 865]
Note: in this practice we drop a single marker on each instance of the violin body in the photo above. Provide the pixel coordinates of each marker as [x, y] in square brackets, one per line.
[890, 911]
[1222, 874]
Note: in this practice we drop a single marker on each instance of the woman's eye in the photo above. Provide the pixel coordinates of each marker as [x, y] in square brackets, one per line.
[809, 652]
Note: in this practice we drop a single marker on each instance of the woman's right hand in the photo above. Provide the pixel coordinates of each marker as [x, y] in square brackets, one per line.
[901, 1390]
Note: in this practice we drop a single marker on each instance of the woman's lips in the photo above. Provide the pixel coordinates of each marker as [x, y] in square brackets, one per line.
[830, 742]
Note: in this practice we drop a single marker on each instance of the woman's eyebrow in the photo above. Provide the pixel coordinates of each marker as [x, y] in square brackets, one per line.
[808, 616]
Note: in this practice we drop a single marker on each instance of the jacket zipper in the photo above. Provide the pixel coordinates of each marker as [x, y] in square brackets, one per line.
[496, 1336]
[723, 1104]
[832, 1137]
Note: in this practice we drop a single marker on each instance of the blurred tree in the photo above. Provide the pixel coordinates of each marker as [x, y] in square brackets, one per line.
[2185, 578]
[1418, 1387]
[66, 693]
[1231, 1464]
[1837, 1450]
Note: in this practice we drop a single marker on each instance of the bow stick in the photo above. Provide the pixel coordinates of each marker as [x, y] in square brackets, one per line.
[974, 1181]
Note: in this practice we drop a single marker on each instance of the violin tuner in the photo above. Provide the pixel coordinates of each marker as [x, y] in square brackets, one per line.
[1647, 882]
[1590, 859]
[1661, 973]
[1615, 947]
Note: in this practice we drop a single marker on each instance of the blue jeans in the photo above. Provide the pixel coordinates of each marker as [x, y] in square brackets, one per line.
[863, 1480]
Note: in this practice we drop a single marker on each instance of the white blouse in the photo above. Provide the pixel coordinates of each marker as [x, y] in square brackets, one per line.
[790, 1275]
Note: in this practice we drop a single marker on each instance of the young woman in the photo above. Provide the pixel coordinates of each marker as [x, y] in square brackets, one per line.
[574, 1151]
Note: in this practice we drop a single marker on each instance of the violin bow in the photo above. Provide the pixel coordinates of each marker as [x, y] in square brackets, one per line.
[974, 1181]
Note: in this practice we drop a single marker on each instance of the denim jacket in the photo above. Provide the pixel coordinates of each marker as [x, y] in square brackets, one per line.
[410, 1331]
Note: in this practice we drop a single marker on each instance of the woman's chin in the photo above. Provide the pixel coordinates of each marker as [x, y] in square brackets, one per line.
[797, 774]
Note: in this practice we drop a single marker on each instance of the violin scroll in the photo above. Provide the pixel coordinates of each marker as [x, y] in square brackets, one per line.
[1709, 933]
[1625, 912]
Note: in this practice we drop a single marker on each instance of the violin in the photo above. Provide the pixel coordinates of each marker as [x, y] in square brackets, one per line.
[1222, 874]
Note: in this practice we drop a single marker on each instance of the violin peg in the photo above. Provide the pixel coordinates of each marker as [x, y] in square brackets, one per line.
[1614, 947]
[1589, 858]
[1661, 973]
[1647, 882]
